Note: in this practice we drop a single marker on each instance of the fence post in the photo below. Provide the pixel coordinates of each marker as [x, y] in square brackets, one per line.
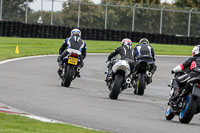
[133, 20]
[189, 20]
[26, 15]
[52, 12]
[41, 11]
[161, 18]
[1, 10]
[106, 15]
[79, 14]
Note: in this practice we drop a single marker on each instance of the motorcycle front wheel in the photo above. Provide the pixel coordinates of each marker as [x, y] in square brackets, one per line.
[169, 115]
[115, 88]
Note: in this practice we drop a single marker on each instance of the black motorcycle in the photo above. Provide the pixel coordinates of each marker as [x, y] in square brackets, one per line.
[71, 67]
[142, 75]
[187, 104]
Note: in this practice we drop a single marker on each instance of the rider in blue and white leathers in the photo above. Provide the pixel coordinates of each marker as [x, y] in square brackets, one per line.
[143, 49]
[72, 42]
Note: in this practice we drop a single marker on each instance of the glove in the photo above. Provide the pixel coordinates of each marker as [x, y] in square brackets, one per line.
[172, 72]
[107, 61]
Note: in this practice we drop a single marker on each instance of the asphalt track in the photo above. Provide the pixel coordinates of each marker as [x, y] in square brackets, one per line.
[32, 85]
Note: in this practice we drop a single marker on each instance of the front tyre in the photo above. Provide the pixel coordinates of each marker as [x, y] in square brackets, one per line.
[141, 84]
[169, 115]
[115, 90]
[68, 75]
[187, 113]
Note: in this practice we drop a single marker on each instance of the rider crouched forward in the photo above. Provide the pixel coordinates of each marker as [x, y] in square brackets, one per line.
[191, 67]
[126, 52]
[73, 42]
[144, 51]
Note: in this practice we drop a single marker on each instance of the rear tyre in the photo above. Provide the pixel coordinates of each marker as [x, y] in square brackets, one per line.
[141, 84]
[115, 89]
[169, 115]
[68, 75]
[188, 112]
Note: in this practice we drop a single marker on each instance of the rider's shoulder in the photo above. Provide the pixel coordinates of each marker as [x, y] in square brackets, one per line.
[67, 39]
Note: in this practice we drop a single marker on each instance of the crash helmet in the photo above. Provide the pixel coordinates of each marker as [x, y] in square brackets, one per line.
[196, 50]
[123, 41]
[144, 41]
[127, 42]
[76, 32]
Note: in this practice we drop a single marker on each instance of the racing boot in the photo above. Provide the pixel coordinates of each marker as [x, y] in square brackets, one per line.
[176, 95]
[60, 69]
[108, 76]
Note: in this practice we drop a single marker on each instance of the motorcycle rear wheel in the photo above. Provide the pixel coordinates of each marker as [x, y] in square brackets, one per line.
[68, 75]
[115, 89]
[186, 115]
[141, 84]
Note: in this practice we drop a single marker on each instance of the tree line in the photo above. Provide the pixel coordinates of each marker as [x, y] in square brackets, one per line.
[119, 17]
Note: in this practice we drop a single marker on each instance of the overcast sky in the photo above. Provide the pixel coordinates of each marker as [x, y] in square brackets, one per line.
[36, 5]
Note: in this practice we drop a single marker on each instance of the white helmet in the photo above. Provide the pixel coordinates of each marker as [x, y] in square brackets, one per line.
[126, 41]
[123, 41]
[75, 32]
[196, 50]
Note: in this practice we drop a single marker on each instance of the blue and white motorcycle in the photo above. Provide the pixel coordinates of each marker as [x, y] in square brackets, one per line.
[71, 67]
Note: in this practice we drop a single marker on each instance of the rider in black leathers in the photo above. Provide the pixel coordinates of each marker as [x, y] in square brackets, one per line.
[145, 52]
[126, 52]
[73, 42]
[190, 67]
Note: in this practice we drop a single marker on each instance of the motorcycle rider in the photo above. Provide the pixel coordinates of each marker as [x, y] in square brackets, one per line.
[145, 52]
[126, 53]
[72, 42]
[190, 67]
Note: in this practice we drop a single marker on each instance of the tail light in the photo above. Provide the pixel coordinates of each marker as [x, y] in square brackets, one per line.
[198, 85]
[74, 55]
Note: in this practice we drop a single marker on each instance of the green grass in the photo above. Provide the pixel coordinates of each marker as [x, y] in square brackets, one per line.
[33, 46]
[21, 124]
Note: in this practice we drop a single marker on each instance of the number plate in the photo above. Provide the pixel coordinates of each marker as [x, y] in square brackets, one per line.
[72, 60]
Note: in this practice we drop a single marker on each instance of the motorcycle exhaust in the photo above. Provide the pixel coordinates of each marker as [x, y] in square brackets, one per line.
[78, 69]
[149, 74]
[128, 80]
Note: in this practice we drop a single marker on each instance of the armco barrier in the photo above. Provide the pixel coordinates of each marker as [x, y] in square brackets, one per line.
[18, 29]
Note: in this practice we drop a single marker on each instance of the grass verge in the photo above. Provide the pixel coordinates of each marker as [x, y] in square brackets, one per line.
[35, 46]
[21, 124]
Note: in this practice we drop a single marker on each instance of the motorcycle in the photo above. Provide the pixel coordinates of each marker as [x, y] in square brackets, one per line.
[71, 67]
[120, 78]
[187, 104]
[142, 74]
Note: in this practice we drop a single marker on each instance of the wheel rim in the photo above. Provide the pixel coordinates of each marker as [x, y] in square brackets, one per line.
[168, 111]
